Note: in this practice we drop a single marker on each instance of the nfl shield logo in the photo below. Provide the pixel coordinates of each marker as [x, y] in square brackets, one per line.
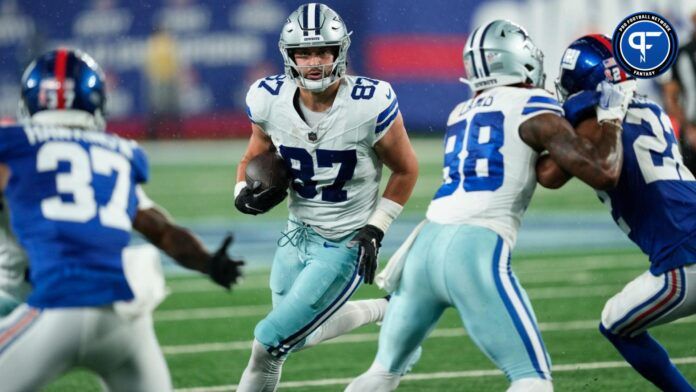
[312, 136]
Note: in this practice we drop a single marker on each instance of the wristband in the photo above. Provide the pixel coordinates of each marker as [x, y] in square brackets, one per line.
[238, 188]
[385, 213]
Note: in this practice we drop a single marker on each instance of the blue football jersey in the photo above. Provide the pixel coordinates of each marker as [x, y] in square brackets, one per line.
[655, 199]
[72, 200]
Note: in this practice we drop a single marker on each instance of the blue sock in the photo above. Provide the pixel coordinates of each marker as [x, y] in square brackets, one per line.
[649, 359]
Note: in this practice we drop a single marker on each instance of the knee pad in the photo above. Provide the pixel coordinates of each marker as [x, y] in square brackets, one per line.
[531, 385]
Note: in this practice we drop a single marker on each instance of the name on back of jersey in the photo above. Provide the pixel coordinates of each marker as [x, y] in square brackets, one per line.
[39, 134]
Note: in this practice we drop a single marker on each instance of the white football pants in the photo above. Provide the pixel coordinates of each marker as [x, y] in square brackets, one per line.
[37, 346]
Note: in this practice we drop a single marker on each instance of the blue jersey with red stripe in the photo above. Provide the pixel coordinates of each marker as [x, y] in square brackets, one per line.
[655, 199]
[72, 200]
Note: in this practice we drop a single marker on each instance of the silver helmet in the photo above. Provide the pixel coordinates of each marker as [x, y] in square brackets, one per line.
[501, 53]
[314, 25]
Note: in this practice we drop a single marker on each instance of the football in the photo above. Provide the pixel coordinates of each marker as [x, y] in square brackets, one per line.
[269, 170]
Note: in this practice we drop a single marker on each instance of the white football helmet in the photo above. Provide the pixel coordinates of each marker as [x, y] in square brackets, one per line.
[314, 25]
[501, 53]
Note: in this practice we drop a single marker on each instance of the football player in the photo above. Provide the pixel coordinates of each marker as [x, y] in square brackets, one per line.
[74, 196]
[461, 256]
[654, 203]
[150, 220]
[334, 132]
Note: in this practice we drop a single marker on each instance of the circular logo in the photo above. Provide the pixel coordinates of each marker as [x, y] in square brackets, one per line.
[645, 44]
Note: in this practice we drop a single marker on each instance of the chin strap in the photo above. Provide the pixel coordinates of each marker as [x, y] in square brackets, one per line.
[317, 85]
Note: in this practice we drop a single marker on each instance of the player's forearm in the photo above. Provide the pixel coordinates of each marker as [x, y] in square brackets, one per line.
[401, 184]
[258, 143]
[241, 168]
[598, 165]
[550, 174]
[182, 246]
[175, 241]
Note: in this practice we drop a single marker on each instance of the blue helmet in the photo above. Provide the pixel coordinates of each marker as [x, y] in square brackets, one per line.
[585, 64]
[63, 87]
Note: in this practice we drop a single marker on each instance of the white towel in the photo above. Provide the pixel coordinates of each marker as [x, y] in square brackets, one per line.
[143, 270]
[388, 280]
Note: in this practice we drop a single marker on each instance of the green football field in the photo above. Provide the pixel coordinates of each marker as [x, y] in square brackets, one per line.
[206, 333]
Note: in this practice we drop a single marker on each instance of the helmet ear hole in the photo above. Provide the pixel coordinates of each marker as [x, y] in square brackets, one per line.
[529, 67]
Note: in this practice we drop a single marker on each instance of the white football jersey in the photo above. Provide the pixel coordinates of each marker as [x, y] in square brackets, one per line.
[489, 174]
[334, 167]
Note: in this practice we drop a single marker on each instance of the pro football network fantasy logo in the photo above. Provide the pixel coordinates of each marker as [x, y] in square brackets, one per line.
[645, 44]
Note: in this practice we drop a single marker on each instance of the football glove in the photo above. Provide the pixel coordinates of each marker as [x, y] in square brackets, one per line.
[223, 270]
[368, 240]
[614, 100]
[580, 106]
[254, 200]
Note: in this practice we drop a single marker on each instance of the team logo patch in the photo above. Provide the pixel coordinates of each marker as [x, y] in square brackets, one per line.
[570, 59]
[645, 44]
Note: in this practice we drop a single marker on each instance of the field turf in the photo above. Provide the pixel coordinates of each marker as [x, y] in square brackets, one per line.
[205, 333]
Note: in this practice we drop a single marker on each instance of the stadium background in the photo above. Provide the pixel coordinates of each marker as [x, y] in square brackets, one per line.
[570, 256]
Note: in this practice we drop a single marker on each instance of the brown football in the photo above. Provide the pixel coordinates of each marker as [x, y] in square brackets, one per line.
[269, 170]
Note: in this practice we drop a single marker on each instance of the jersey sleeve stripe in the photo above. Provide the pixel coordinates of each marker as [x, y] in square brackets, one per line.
[381, 127]
[386, 112]
[534, 109]
[542, 99]
[544, 105]
[248, 112]
[386, 118]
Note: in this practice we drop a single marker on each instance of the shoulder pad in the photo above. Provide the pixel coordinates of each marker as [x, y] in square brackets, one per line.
[262, 94]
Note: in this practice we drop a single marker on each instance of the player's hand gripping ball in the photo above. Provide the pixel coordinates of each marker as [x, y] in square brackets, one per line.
[267, 180]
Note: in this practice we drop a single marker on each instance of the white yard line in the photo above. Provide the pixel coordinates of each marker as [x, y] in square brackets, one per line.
[575, 269]
[212, 313]
[372, 337]
[262, 310]
[570, 367]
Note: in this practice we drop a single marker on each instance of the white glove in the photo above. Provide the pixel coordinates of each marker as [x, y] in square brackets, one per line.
[614, 100]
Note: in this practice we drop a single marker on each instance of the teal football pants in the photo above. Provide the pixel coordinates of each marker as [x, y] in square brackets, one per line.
[311, 278]
[467, 267]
